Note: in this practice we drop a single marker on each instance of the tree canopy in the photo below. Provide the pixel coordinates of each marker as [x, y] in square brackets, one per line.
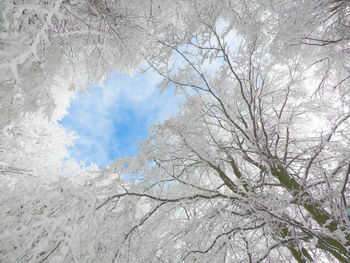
[254, 168]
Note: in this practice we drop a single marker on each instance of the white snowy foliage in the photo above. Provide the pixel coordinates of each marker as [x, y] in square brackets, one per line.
[254, 168]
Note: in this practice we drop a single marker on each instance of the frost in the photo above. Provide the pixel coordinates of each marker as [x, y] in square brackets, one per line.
[254, 168]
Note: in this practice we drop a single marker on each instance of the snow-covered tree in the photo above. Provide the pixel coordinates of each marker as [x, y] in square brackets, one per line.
[254, 168]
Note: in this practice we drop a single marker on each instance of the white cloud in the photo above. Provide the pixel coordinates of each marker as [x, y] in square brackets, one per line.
[111, 120]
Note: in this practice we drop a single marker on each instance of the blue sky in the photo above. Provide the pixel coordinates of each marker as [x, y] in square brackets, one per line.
[109, 121]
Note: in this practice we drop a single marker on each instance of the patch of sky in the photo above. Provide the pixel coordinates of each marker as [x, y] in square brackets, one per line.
[111, 120]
